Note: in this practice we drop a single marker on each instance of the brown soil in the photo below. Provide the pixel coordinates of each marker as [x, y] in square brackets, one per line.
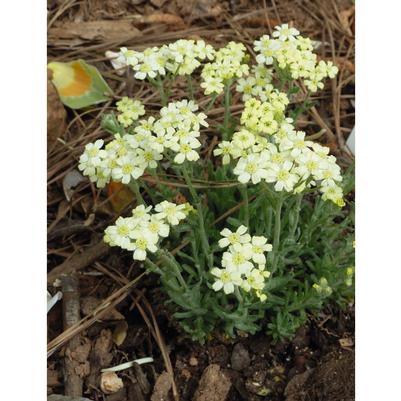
[315, 364]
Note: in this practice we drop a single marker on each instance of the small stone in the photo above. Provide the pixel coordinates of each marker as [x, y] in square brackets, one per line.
[240, 359]
[214, 385]
[193, 361]
[110, 383]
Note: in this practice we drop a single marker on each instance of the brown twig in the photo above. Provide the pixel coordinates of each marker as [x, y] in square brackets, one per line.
[79, 261]
[73, 383]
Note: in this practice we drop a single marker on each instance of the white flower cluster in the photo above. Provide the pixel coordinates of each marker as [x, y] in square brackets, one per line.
[257, 84]
[181, 57]
[128, 156]
[142, 231]
[294, 53]
[130, 110]
[229, 62]
[269, 148]
[243, 264]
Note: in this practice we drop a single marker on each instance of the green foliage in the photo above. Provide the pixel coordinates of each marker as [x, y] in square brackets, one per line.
[315, 242]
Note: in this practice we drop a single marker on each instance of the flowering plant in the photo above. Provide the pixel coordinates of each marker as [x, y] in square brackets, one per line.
[261, 247]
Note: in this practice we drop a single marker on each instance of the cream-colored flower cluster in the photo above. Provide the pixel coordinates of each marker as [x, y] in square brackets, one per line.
[229, 62]
[294, 54]
[243, 264]
[258, 84]
[181, 57]
[128, 156]
[130, 110]
[141, 232]
[269, 148]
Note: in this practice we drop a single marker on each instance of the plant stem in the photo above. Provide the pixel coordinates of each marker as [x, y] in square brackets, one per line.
[301, 108]
[238, 294]
[277, 231]
[190, 87]
[211, 103]
[133, 185]
[153, 266]
[169, 260]
[163, 95]
[227, 104]
[244, 190]
[204, 239]
[297, 209]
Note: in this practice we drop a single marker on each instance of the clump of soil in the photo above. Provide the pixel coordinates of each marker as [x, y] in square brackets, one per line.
[333, 379]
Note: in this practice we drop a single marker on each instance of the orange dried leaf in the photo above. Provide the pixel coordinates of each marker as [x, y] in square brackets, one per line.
[120, 196]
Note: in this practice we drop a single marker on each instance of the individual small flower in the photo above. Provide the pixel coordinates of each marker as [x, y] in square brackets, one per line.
[119, 234]
[327, 69]
[92, 155]
[238, 258]
[128, 168]
[141, 213]
[225, 148]
[186, 151]
[212, 85]
[144, 70]
[171, 212]
[226, 279]
[282, 176]
[144, 241]
[259, 247]
[334, 193]
[284, 32]
[254, 280]
[232, 238]
[251, 168]
[243, 139]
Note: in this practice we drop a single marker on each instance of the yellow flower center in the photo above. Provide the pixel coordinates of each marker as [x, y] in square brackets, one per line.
[233, 238]
[257, 249]
[283, 175]
[251, 168]
[225, 277]
[148, 156]
[277, 158]
[127, 168]
[238, 259]
[123, 230]
[154, 227]
[141, 243]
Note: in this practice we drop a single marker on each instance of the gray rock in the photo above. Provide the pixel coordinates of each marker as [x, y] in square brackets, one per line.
[240, 359]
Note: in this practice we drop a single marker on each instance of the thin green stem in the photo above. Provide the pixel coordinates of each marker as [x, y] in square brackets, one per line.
[277, 231]
[227, 104]
[238, 294]
[133, 185]
[211, 103]
[190, 87]
[170, 261]
[204, 239]
[297, 211]
[301, 108]
[244, 190]
[153, 266]
[163, 95]
[159, 84]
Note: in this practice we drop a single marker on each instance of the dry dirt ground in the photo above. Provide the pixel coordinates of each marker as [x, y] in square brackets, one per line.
[98, 282]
